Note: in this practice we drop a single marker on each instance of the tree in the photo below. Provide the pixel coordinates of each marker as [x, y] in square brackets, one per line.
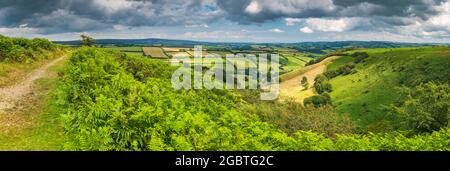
[322, 85]
[305, 83]
[318, 100]
[424, 108]
[360, 56]
[86, 40]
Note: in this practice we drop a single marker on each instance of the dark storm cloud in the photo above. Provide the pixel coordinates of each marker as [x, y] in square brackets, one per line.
[403, 8]
[236, 10]
[270, 10]
[85, 15]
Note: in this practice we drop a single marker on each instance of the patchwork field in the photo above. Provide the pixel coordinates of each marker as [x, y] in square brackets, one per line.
[175, 49]
[179, 54]
[154, 52]
[132, 50]
[126, 49]
[294, 59]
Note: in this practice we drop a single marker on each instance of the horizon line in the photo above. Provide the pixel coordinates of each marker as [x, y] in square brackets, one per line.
[243, 42]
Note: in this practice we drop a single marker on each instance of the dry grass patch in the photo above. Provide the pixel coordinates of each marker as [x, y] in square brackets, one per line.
[155, 52]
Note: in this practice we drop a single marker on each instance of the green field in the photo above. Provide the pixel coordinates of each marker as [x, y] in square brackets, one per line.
[126, 49]
[295, 62]
[365, 94]
[295, 59]
[131, 50]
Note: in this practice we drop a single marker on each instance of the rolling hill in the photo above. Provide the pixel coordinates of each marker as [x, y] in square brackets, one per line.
[374, 82]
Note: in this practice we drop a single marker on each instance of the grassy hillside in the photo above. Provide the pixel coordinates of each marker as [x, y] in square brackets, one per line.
[365, 93]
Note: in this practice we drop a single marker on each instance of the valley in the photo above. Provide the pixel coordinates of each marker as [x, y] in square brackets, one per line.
[121, 98]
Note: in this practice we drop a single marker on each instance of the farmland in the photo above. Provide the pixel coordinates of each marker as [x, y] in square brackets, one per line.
[291, 58]
[154, 52]
[132, 50]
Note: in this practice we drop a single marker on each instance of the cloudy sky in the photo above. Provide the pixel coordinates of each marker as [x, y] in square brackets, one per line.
[230, 20]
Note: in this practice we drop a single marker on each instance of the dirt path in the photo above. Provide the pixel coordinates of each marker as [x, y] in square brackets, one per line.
[293, 89]
[10, 96]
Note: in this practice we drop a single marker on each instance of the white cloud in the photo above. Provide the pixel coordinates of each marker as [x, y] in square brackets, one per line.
[120, 27]
[197, 26]
[23, 26]
[437, 26]
[276, 30]
[378, 36]
[115, 5]
[215, 35]
[306, 30]
[292, 21]
[329, 25]
[288, 7]
[443, 19]
[19, 32]
[253, 8]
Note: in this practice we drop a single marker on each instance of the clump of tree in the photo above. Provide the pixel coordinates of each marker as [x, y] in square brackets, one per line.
[322, 87]
[322, 84]
[360, 56]
[315, 61]
[423, 109]
[304, 83]
[319, 100]
[86, 40]
[320, 59]
[241, 47]
[344, 70]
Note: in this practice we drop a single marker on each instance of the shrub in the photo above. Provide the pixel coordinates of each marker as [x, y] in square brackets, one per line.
[304, 83]
[322, 84]
[360, 56]
[344, 70]
[318, 100]
[424, 108]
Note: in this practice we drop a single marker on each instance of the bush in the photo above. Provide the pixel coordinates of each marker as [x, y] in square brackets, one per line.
[322, 84]
[344, 70]
[360, 56]
[424, 108]
[318, 100]
[304, 83]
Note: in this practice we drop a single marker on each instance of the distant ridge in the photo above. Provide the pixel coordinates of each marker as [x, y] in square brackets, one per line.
[136, 42]
[314, 47]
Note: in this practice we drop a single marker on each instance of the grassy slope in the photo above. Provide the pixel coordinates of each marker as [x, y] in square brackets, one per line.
[295, 62]
[41, 129]
[364, 94]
